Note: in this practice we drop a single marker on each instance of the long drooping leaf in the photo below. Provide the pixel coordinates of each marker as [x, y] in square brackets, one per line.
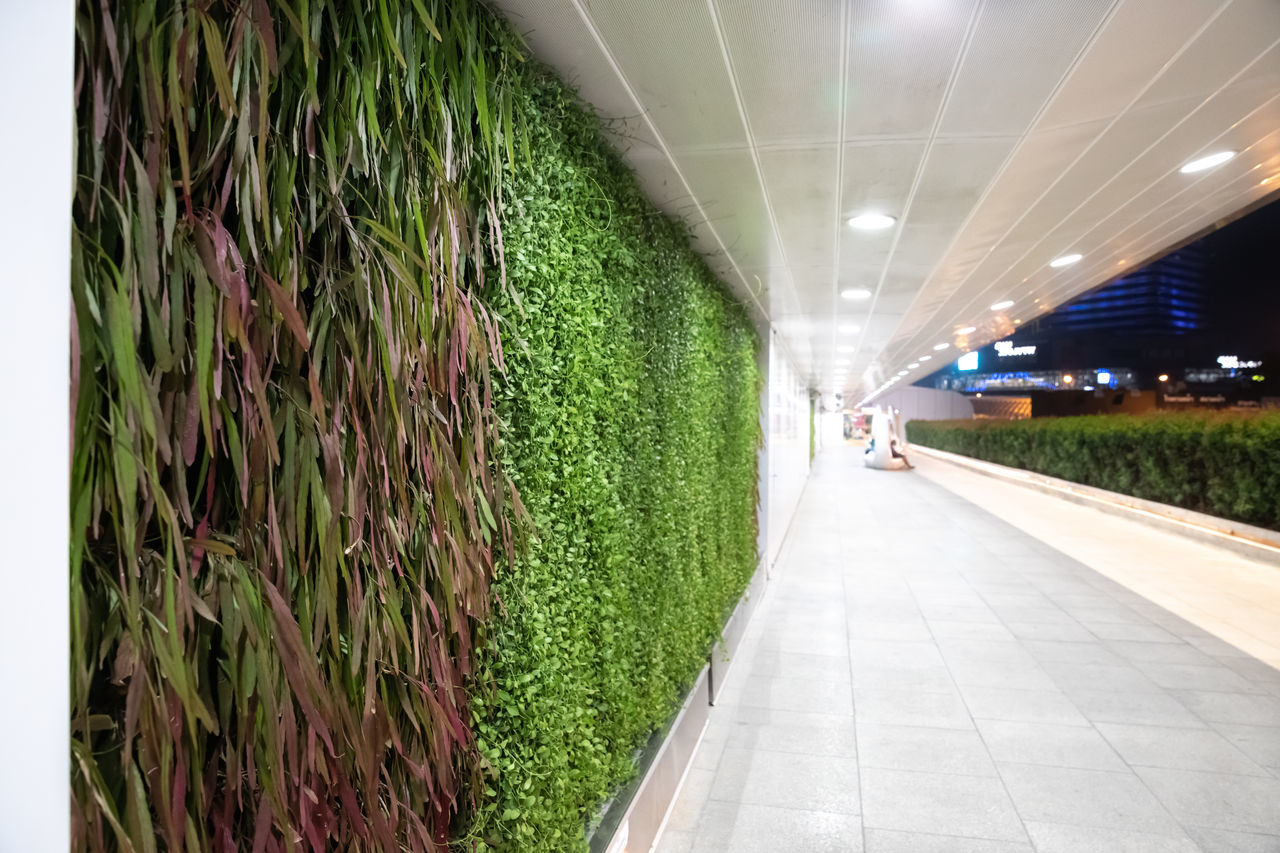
[283, 426]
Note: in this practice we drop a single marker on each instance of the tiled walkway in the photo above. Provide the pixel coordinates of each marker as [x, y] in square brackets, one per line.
[923, 676]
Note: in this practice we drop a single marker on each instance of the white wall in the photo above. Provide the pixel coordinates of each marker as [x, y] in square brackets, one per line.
[926, 404]
[35, 310]
[787, 442]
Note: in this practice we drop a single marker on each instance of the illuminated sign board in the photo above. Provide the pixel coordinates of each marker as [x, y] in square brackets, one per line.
[968, 361]
[1004, 349]
[1104, 377]
[1233, 362]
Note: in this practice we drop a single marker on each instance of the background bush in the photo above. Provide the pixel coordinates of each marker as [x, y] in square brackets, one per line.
[631, 422]
[1224, 464]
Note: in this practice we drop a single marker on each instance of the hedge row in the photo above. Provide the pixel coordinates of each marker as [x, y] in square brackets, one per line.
[309, 610]
[1223, 464]
[631, 422]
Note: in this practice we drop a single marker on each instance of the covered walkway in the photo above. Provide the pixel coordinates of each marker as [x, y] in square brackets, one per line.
[925, 676]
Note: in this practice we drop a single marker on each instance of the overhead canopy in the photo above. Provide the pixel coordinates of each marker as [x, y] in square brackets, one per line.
[1000, 135]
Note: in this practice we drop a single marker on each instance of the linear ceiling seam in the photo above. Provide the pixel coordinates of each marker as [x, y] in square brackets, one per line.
[603, 46]
[846, 30]
[961, 54]
[755, 159]
[926, 324]
[979, 298]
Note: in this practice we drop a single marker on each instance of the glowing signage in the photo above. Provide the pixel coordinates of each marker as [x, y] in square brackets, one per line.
[968, 361]
[1004, 349]
[1233, 362]
[1104, 377]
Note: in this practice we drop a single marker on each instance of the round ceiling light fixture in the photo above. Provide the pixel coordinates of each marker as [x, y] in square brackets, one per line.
[848, 328]
[925, 358]
[966, 330]
[1065, 260]
[902, 373]
[872, 221]
[1207, 162]
[913, 365]
[1003, 304]
[856, 294]
[940, 347]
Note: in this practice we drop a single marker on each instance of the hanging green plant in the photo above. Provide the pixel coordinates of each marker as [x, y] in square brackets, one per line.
[287, 496]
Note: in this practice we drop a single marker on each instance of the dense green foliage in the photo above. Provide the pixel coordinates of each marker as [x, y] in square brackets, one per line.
[285, 493]
[630, 427]
[1223, 464]
[294, 625]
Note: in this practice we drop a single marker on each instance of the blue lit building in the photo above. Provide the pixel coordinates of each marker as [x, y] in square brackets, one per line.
[1163, 298]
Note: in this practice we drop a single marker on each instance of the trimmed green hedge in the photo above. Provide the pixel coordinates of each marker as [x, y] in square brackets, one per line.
[1223, 464]
[631, 423]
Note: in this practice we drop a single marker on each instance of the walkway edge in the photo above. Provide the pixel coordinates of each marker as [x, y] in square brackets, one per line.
[1255, 542]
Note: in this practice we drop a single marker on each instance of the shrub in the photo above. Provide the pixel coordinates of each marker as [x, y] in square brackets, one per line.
[1224, 464]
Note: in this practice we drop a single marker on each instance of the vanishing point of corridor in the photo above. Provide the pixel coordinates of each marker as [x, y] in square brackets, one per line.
[924, 676]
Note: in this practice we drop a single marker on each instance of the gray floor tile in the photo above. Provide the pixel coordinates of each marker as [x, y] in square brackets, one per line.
[793, 731]
[790, 694]
[792, 665]
[1062, 838]
[1133, 631]
[910, 708]
[1153, 709]
[787, 780]
[1183, 749]
[1098, 677]
[969, 806]
[1214, 676]
[944, 630]
[1242, 708]
[750, 828]
[1085, 798]
[894, 841]
[1136, 652]
[1218, 800]
[1225, 841]
[1091, 652]
[1261, 743]
[923, 749]
[675, 841]
[1051, 745]
[1032, 706]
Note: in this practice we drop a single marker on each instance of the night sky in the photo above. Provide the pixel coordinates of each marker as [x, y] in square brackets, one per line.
[1243, 283]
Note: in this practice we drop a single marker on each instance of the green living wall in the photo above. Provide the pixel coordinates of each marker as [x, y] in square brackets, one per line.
[309, 610]
[631, 422]
[1223, 464]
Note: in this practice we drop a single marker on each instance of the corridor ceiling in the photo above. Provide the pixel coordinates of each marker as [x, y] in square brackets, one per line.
[1000, 134]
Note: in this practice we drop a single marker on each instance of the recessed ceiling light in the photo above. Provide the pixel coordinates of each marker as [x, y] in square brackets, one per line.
[847, 329]
[1208, 162]
[857, 294]
[1066, 260]
[940, 347]
[1000, 306]
[872, 221]
[902, 373]
[967, 330]
[913, 365]
[925, 358]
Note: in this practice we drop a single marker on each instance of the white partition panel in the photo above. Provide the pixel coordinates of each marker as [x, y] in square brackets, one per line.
[36, 39]
[787, 441]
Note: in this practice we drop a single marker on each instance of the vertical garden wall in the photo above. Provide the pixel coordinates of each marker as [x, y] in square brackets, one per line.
[346, 276]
